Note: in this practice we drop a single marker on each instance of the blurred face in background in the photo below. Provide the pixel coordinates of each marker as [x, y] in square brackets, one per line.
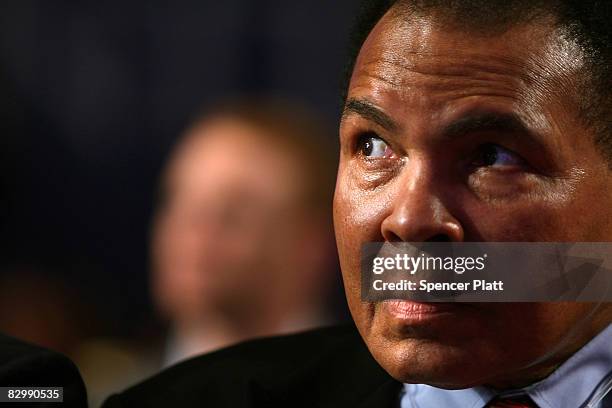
[233, 237]
[450, 136]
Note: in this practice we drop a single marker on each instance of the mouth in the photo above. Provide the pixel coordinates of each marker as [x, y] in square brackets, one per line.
[412, 313]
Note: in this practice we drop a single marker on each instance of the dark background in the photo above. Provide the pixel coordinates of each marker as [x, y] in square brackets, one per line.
[94, 94]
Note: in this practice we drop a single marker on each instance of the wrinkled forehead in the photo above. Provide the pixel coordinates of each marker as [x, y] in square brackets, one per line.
[406, 52]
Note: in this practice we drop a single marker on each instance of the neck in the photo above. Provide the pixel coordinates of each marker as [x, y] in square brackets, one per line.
[568, 346]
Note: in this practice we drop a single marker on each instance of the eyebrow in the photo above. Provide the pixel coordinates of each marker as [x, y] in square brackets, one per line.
[486, 121]
[471, 122]
[369, 111]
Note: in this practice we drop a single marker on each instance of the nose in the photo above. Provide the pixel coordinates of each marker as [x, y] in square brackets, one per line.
[418, 212]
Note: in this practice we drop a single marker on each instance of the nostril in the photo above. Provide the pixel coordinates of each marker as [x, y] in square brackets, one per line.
[390, 236]
[439, 238]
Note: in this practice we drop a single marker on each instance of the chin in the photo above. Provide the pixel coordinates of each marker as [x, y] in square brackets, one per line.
[426, 362]
[446, 346]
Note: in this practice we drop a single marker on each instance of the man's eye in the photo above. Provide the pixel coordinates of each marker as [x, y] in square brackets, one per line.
[492, 155]
[372, 146]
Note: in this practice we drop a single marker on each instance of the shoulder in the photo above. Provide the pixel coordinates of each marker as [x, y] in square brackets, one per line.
[26, 365]
[236, 375]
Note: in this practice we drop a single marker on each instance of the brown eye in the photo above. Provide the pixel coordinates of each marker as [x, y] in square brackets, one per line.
[372, 146]
[492, 155]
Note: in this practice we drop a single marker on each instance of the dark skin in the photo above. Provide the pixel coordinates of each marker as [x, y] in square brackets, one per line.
[451, 135]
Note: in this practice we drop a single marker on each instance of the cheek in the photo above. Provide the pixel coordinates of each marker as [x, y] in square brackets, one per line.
[528, 217]
[358, 216]
[512, 223]
[359, 212]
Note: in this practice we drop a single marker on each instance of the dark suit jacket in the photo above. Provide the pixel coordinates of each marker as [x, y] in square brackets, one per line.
[26, 365]
[322, 368]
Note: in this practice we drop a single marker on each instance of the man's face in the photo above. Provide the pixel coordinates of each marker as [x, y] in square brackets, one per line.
[218, 243]
[453, 136]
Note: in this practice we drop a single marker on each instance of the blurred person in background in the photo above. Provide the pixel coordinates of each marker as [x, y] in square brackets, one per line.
[242, 243]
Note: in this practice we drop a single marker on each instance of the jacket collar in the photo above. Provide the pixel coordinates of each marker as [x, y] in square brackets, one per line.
[346, 376]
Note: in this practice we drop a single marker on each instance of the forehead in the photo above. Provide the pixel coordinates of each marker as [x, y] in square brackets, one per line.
[430, 64]
[229, 155]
